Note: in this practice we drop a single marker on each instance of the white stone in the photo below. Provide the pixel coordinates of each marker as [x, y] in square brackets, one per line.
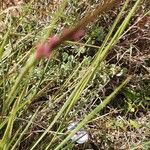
[80, 137]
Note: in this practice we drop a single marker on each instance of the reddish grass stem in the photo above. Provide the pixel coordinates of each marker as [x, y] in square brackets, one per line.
[75, 33]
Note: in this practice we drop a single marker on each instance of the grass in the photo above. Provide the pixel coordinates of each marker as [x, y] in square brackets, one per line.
[78, 83]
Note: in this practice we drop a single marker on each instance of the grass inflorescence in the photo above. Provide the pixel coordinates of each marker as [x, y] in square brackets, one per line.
[95, 73]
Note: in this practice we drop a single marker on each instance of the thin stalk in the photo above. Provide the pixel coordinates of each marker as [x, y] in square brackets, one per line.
[13, 91]
[101, 55]
[77, 91]
[8, 130]
[24, 131]
[5, 40]
[31, 63]
[91, 115]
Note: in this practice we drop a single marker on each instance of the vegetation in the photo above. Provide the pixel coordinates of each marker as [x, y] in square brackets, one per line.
[100, 82]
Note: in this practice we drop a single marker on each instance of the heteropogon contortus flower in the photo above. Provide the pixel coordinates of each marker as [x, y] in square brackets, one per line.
[75, 33]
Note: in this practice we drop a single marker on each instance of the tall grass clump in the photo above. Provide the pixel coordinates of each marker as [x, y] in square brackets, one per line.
[20, 89]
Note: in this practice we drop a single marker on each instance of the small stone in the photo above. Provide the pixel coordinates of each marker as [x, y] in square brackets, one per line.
[81, 136]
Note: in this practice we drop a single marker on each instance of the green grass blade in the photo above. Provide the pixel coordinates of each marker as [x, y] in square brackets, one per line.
[90, 116]
[4, 43]
[79, 88]
[23, 132]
